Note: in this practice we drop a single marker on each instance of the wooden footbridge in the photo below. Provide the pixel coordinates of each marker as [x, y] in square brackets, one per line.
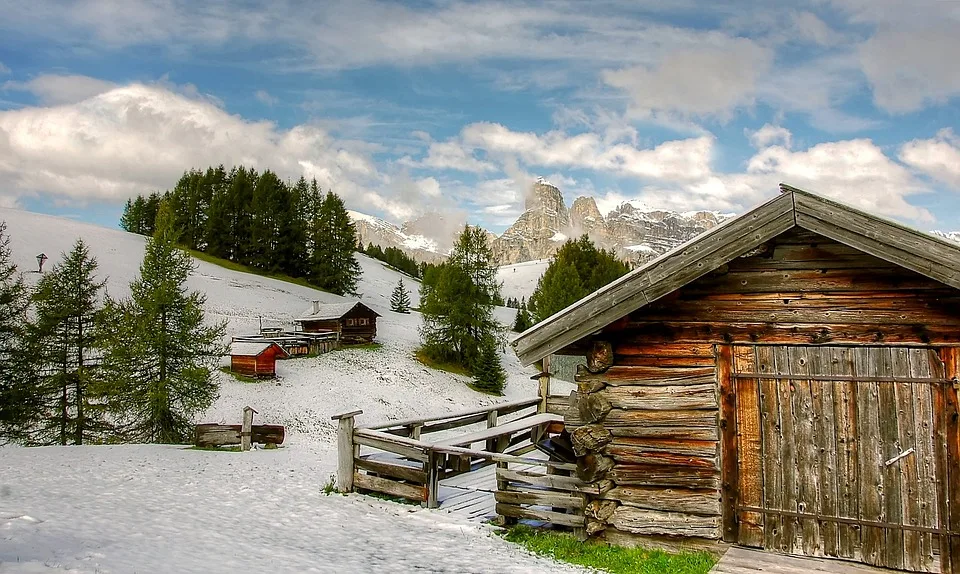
[506, 460]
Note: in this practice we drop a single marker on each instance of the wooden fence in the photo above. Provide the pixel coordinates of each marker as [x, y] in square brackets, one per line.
[397, 460]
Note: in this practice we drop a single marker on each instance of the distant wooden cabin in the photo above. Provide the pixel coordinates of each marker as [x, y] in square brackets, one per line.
[785, 381]
[354, 322]
[256, 359]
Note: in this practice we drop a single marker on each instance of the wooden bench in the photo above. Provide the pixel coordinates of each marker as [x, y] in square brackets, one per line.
[506, 430]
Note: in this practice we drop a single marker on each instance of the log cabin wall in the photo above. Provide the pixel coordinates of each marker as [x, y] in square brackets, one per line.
[645, 422]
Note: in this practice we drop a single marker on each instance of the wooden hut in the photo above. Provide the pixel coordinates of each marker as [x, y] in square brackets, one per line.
[785, 381]
[354, 322]
[256, 359]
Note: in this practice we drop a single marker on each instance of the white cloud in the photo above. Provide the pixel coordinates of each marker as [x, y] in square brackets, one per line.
[265, 98]
[938, 157]
[673, 160]
[139, 138]
[770, 134]
[4, 69]
[54, 89]
[451, 155]
[809, 26]
[702, 81]
[912, 68]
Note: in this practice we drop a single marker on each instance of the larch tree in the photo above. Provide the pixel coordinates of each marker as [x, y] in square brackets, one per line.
[16, 400]
[64, 342]
[457, 300]
[159, 353]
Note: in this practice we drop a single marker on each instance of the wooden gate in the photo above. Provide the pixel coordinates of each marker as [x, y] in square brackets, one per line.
[841, 452]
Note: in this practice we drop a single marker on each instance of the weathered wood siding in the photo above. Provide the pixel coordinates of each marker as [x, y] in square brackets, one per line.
[650, 424]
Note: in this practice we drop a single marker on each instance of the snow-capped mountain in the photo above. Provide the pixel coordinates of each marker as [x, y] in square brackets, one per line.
[635, 232]
[951, 235]
[385, 234]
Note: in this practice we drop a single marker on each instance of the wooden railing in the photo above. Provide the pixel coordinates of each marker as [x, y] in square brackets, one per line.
[547, 492]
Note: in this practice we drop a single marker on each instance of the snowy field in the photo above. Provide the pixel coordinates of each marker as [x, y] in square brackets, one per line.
[520, 280]
[166, 509]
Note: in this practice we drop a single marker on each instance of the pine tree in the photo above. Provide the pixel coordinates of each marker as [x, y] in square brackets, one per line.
[400, 300]
[523, 321]
[16, 400]
[577, 269]
[457, 300]
[158, 351]
[64, 340]
[333, 265]
[488, 373]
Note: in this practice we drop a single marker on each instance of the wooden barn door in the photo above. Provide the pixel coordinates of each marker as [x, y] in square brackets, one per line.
[843, 452]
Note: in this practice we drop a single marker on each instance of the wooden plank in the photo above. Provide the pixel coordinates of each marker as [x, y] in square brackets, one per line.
[346, 453]
[502, 409]
[825, 443]
[551, 481]
[558, 518]
[892, 555]
[907, 466]
[679, 419]
[690, 350]
[665, 361]
[808, 461]
[749, 449]
[541, 498]
[663, 398]
[771, 447]
[871, 459]
[924, 504]
[748, 561]
[389, 445]
[392, 470]
[845, 409]
[665, 476]
[637, 447]
[655, 523]
[639, 375]
[951, 361]
[416, 492]
[705, 502]
[505, 429]
[788, 453]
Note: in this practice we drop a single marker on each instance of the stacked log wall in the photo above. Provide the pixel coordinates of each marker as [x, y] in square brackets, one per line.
[646, 422]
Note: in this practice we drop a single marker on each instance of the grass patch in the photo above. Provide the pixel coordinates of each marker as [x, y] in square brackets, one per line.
[240, 377]
[615, 559]
[234, 266]
[455, 368]
[232, 448]
[364, 346]
[484, 391]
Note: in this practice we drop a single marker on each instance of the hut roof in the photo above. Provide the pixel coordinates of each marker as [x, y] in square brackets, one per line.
[329, 311]
[909, 248]
[252, 349]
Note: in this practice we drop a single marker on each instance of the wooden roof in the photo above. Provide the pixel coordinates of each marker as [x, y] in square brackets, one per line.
[252, 349]
[909, 248]
[330, 311]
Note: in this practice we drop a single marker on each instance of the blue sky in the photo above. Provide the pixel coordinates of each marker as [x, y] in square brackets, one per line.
[409, 108]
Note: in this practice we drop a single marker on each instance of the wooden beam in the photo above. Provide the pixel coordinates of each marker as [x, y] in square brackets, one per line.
[728, 443]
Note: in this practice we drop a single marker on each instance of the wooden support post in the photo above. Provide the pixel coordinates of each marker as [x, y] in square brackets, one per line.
[415, 431]
[246, 431]
[434, 462]
[950, 545]
[346, 450]
[491, 422]
[544, 390]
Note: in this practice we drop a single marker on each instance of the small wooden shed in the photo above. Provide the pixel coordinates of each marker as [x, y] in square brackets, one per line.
[354, 322]
[256, 359]
[785, 381]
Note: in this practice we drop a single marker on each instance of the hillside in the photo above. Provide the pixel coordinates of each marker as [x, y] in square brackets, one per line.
[84, 509]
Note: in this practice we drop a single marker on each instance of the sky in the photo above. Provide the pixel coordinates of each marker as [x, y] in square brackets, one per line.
[407, 108]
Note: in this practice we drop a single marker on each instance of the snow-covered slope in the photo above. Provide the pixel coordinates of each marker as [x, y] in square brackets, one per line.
[519, 280]
[154, 508]
[951, 235]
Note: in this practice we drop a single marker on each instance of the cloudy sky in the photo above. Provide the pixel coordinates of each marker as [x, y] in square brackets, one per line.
[404, 108]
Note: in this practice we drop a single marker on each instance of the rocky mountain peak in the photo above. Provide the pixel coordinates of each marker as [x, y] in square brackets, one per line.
[585, 216]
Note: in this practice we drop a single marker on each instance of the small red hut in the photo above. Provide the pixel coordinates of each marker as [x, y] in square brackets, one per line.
[256, 359]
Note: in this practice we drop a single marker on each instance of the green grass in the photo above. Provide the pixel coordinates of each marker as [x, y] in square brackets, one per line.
[364, 347]
[565, 547]
[455, 368]
[233, 266]
[240, 377]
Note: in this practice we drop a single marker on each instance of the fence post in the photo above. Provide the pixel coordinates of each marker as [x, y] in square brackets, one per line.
[434, 461]
[345, 450]
[544, 385]
[246, 431]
